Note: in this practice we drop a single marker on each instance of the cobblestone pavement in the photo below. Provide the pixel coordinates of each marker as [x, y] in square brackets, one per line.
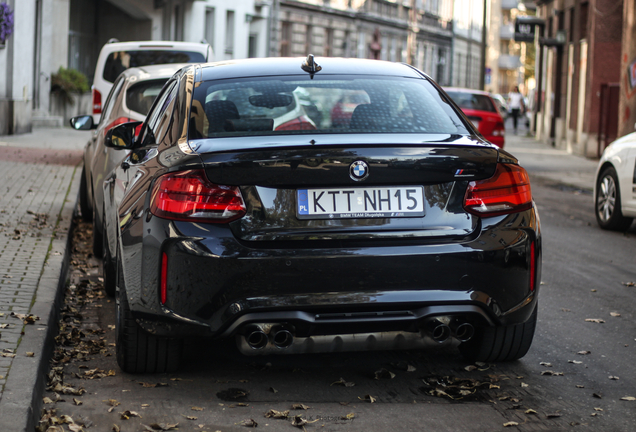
[40, 179]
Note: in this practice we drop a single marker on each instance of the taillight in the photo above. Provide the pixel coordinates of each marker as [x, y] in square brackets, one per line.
[499, 129]
[189, 196]
[507, 191]
[97, 102]
[299, 123]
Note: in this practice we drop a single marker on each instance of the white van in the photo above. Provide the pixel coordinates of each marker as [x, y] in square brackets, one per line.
[115, 57]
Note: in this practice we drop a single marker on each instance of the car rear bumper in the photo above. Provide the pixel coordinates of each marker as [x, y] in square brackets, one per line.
[218, 286]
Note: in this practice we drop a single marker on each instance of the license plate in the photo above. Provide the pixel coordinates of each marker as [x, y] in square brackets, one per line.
[356, 203]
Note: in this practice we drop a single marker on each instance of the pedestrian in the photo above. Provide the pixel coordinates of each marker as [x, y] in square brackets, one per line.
[515, 102]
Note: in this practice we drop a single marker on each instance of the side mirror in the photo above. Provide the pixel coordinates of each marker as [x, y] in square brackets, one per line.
[122, 137]
[84, 122]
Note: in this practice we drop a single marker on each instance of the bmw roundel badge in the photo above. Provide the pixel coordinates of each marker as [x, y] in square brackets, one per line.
[359, 170]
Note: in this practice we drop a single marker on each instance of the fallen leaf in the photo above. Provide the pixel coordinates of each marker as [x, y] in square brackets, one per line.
[470, 368]
[551, 373]
[628, 398]
[299, 421]
[248, 423]
[367, 398]
[160, 427]
[300, 407]
[553, 415]
[342, 382]
[273, 390]
[597, 395]
[272, 413]
[593, 290]
[196, 408]
[615, 314]
[29, 354]
[126, 415]
[47, 400]
[190, 417]
[384, 374]
[116, 428]
[575, 361]
[595, 320]
[580, 386]
[530, 411]
[75, 428]
[598, 409]
[524, 385]
[349, 416]
[584, 352]
[629, 284]
[612, 377]
[565, 310]
[77, 401]
[509, 424]
[546, 364]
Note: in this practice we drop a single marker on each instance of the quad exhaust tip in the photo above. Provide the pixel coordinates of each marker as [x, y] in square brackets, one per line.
[258, 337]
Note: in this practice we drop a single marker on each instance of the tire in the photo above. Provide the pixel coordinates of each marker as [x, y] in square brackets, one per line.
[608, 202]
[499, 344]
[98, 240]
[139, 351]
[109, 268]
[85, 207]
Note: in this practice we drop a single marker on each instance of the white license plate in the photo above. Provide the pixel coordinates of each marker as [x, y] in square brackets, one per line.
[355, 203]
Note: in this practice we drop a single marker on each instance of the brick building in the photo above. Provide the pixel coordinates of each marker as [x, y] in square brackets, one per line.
[581, 70]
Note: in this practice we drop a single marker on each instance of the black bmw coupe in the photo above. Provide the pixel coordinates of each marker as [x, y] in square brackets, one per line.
[238, 215]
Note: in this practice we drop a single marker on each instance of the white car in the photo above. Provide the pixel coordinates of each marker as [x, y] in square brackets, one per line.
[615, 187]
[115, 57]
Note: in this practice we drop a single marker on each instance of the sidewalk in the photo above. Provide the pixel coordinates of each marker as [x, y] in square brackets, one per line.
[37, 200]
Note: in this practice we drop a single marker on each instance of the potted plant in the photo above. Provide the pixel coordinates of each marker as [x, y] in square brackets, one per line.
[6, 23]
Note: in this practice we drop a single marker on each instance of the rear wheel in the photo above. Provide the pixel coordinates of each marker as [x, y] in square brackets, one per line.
[608, 202]
[98, 247]
[109, 269]
[504, 343]
[85, 207]
[139, 351]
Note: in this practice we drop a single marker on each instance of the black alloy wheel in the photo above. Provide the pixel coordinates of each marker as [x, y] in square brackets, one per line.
[498, 344]
[608, 202]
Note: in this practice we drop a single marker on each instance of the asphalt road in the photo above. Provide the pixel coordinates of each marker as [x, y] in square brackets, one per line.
[584, 269]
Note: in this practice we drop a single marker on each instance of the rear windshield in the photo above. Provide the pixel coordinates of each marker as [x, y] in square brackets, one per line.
[119, 61]
[324, 104]
[140, 96]
[472, 101]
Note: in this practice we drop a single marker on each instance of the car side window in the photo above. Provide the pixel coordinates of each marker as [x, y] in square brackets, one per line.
[112, 96]
[158, 114]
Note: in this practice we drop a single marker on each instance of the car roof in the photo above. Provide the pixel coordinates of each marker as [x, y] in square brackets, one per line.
[466, 90]
[154, 71]
[276, 66]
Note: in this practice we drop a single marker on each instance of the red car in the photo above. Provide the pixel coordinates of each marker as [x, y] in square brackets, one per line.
[480, 108]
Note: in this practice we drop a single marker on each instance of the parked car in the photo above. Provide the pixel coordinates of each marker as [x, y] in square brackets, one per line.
[482, 111]
[405, 228]
[614, 199]
[130, 99]
[501, 103]
[115, 57]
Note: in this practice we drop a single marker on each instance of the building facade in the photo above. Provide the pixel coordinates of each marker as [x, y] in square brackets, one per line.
[581, 71]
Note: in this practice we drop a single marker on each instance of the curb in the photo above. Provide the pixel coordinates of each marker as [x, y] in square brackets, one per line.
[21, 404]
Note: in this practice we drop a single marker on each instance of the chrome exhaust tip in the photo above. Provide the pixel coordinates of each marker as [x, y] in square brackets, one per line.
[464, 332]
[256, 339]
[438, 331]
[283, 339]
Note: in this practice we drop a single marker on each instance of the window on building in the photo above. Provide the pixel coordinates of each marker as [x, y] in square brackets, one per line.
[285, 40]
[441, 66]
[328, 48]
[308, 39]
[229, 34]
[209, 25]
[252, 45]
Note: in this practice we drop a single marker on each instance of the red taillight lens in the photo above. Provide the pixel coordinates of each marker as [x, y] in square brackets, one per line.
[97, 102]
[189, 196]
[507, 191]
